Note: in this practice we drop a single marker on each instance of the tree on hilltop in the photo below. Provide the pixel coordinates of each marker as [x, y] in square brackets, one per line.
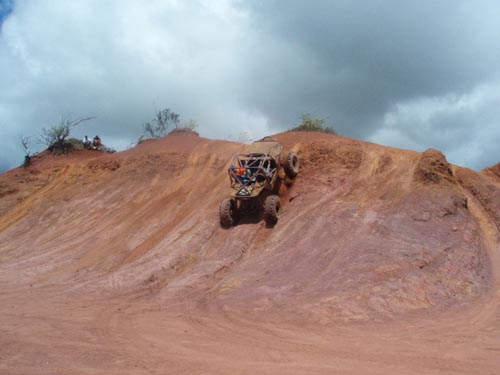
[164, 121]
[56, 137]
[313, 124]
[25, 142]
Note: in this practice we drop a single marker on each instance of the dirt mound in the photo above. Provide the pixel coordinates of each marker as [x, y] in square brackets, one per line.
[493, 171]
[322, 156]
[433, 168]
[351, 241]
[366, 233]
[482, 189]
[108, 163]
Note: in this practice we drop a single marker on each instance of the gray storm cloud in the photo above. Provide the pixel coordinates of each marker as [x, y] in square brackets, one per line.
[412, 75]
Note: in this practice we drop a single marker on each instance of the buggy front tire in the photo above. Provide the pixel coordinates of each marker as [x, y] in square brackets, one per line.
[227, 211]
[292, 165]
[272, 206]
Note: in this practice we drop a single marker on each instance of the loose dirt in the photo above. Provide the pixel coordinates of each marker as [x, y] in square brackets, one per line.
[383, 261]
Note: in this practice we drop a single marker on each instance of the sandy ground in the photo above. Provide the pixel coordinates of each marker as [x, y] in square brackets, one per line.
[60, 335]
[383, 261]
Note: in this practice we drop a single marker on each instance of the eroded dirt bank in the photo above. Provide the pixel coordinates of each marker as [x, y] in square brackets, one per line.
[383, 261]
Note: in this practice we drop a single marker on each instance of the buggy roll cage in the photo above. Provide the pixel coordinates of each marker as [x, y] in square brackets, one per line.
[252, 171]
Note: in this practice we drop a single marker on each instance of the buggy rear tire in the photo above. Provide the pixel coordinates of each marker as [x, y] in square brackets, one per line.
[272, 206]
[292, 165]
[227, 212]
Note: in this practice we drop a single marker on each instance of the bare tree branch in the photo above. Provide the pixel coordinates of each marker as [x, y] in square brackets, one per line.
[25, 142]
[55, 137]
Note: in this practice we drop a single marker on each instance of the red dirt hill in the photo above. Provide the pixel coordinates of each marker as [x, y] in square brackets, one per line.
[367, 233]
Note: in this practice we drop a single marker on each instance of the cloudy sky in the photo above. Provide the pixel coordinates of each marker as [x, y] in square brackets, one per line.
[407, 74]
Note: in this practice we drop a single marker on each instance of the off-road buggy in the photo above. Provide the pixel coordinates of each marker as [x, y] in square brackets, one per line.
[255, 177]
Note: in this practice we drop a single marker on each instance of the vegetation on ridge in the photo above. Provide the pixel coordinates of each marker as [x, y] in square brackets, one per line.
[313, 124]
[56, 138]
[164, 122]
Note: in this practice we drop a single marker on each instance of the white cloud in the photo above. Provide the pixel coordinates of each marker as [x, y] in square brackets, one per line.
[403, 74]
[118, 61]
[463, 126]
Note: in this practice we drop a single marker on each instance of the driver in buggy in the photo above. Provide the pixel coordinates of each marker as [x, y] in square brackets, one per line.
[245, 174]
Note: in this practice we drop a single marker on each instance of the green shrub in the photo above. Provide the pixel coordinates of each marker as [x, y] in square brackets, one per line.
[76, 143]
[57, 137]
[313, 124]
[164, 120]
[27, 161]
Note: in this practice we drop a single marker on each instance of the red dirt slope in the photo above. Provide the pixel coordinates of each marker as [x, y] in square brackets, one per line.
[127, 248]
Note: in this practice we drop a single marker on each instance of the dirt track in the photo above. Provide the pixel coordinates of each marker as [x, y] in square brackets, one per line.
[383, 261]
